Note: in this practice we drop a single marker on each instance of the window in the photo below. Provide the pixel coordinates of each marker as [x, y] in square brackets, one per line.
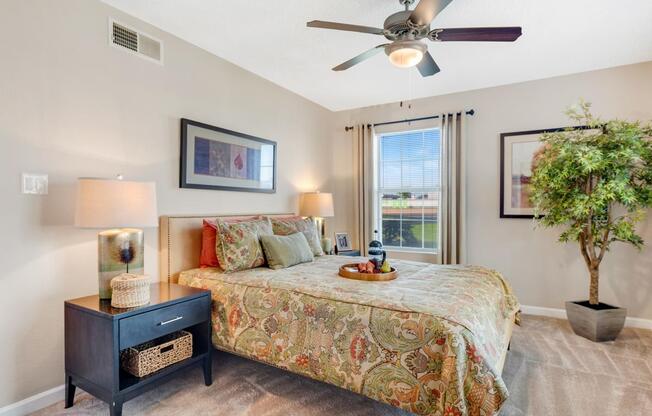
[408, 190]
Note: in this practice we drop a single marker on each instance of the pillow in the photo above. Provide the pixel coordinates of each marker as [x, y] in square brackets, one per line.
[306, 226]
[207, 257]
[283, 251]
[237, 245]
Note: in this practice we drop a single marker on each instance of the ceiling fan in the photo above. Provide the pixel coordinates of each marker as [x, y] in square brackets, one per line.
[407, 28]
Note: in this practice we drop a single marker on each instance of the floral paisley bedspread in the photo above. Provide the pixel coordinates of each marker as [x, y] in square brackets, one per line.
[428, 342]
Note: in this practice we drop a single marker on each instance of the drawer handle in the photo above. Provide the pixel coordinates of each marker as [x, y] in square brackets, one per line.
[178, 318]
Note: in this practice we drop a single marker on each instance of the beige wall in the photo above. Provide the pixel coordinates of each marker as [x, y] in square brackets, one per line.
[542, 271]
[70, 106]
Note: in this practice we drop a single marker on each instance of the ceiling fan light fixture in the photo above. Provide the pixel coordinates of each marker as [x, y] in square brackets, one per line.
[405, 54]
[405, 57]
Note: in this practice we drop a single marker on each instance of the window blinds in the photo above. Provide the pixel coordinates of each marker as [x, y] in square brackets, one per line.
[408, 189]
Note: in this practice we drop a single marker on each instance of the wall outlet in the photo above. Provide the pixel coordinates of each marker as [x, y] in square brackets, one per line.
[35, 183]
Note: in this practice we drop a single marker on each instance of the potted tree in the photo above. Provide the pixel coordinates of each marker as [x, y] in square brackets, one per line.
[595, 183]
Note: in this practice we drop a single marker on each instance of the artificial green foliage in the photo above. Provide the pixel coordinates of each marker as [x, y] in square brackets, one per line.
[595, 183]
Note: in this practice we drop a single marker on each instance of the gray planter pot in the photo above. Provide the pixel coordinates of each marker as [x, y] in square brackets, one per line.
[598, 323]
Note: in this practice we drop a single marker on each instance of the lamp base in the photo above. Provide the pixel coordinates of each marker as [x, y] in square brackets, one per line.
[327, 245]
[119, 251]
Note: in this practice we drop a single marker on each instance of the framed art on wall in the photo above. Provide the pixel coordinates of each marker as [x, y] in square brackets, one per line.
[217, 158]
[517, 152]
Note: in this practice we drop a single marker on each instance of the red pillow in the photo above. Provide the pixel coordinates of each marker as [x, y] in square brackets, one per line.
[208, 258]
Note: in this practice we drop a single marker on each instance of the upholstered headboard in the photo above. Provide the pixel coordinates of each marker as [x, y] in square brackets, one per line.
[180, 242]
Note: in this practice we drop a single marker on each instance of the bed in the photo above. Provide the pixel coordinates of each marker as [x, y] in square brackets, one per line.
[433, 341]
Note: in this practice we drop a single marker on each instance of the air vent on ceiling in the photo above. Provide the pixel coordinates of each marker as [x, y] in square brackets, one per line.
[143, 45]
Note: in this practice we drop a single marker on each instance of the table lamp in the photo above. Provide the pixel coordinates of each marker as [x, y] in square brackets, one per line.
[318, 205]
[119, 208]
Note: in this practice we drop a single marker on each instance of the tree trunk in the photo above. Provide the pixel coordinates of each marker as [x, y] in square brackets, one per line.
[593, 288]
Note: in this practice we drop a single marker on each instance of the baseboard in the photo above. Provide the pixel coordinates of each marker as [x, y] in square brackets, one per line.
[561, 314]
[541, 311]
[34, 403]
[638, 323]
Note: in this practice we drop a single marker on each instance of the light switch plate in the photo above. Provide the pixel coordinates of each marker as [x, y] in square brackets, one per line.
[35, 183]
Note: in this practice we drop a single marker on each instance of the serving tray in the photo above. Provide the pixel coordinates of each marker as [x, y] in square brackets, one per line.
[350, 271]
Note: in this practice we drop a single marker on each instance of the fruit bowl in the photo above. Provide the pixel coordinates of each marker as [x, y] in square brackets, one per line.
[350, 271]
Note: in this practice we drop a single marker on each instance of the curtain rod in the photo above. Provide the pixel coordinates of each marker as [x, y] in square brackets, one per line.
[470, 113]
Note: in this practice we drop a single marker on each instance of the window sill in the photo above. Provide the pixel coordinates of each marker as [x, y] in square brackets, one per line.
[423, 256]
[410, 250]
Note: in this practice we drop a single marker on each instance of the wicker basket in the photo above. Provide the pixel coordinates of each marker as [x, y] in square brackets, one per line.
[152, 356]
[129, 290]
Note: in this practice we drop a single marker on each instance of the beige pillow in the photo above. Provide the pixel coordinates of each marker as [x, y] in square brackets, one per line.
[306, 226]
[237, 245]
[283, 251]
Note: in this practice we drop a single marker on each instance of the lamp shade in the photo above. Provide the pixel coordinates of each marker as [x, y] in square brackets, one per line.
[316, 204]
[108, 203]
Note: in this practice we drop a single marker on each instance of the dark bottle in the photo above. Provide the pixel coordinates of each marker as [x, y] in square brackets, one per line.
[376, 253]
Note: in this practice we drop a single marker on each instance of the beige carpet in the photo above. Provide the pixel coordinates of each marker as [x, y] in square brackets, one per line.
[549, 371]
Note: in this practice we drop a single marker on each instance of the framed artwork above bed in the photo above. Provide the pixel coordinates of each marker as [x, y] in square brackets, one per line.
[217, 158]
[517, 151]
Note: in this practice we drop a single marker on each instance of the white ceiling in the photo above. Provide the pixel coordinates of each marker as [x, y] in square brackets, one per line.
[270, 38]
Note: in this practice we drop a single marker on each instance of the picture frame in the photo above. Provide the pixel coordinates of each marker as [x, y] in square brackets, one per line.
[219, 159]
[342, 242]
[517, 149]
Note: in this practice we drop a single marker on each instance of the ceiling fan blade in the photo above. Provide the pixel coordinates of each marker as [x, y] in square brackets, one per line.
[427, 66]
[476, 34]
[426, 11]
[363, 56]
[343, 26]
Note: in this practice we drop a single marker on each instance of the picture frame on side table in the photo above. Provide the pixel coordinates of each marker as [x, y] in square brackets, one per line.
[342, 242]
[221, 159]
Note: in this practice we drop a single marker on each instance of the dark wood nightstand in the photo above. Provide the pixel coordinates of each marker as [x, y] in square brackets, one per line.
[351, 253]
[95, 333]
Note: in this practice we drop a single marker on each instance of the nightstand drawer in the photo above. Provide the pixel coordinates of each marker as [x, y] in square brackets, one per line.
[153, 324]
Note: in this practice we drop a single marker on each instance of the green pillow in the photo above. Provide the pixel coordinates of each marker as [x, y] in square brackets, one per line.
[291, 225]
[286, 250]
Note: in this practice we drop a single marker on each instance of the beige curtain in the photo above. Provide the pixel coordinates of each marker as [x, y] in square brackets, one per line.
[363, 185]
[452, 216]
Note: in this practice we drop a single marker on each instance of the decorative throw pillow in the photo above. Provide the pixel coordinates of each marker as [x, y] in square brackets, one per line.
[306, 226]
[238, 244]
[208, 258]
[283, 251]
